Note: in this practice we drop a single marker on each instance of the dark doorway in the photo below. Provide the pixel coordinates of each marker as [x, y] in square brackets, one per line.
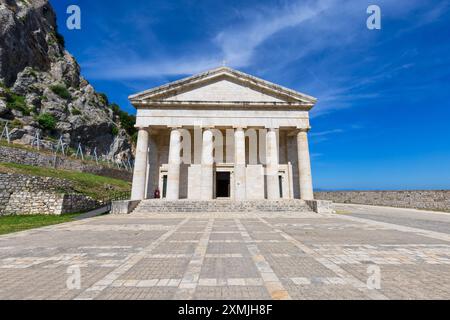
[164, 191]
[280, 182]
[223, 184]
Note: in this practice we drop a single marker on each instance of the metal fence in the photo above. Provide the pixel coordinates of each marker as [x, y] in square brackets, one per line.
[61, 148]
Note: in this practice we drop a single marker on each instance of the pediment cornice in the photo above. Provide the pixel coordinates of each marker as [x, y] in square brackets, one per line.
[162, 94]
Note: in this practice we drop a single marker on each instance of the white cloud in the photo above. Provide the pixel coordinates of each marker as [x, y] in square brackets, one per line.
[326, 133]
[316, 35]
[238, 43]
[235, 45]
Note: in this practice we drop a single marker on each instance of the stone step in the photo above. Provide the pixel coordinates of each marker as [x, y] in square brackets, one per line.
[163, 206]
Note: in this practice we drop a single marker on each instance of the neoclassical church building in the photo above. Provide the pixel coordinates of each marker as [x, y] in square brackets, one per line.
[222, 134]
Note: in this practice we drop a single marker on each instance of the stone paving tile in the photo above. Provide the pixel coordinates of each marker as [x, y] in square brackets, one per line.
[432, 221]
[126, 221]
[321, 291]
[226, 256]
[157, 269]
[71, 239]
[224, 229]
[253, 227]
[266, 236]
[357, 235]
[228, 268]
[131, 293]
[226, 236]
[189, 282]
[223, 248]
[37, 283]
[419, 281]
[232, 293]
[292, 267]
[175, 248]
[282, 247]
[181, 236]
[193, 229]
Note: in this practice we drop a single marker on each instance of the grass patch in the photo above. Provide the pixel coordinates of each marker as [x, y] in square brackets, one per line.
[61, 91]
[10, 224]
[76, 112]
[17, 102]
[97, 187]
[47, 121]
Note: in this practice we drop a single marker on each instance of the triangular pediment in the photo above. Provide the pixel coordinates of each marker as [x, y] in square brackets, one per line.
[223, 90]
[222, 85]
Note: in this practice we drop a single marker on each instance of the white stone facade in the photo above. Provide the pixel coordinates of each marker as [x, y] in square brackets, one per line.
[222, 134]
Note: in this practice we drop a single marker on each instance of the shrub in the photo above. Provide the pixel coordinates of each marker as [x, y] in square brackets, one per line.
[47, 121]
[16, 123]
[61, 91]
[17, 102]
[127, 121]
[103, 99]
[115, 108]
[33, 73]
[134, 137]
[114, 131]
[60, 39]
[76, 112]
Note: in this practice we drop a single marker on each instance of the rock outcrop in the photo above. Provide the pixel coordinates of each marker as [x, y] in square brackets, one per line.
[42, 90]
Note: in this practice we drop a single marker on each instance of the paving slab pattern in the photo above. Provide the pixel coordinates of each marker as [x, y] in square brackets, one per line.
[233, 256]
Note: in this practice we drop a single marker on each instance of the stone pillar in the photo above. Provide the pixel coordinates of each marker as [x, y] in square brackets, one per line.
[239, 165]
[207, 165]
[304, 166]
[272, 165]
[140, 166]
[173, 175]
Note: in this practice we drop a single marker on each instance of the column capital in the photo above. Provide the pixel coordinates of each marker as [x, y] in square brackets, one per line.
[139, 128]
[303, 129]
[174, 127]
[239, 127]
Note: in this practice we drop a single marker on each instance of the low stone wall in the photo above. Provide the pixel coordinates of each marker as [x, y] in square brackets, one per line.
[38, 159]
[24, 195]
[438, 200]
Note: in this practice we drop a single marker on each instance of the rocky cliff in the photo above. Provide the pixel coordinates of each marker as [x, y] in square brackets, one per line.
[41, 89]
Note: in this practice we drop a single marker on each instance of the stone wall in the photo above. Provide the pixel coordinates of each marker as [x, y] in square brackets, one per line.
[38, 159]
[427, 200]
[24, 195]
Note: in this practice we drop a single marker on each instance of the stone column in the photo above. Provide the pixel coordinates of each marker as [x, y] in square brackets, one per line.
[140, 166]
[272, 165]
[304, 166]
[173, 175]
[207, 165]
[239, 165]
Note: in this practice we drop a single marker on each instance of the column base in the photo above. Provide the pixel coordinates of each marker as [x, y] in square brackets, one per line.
[206, 183]
[240, 182]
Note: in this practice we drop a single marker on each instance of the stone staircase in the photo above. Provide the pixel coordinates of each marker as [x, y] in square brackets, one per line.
[190, 206]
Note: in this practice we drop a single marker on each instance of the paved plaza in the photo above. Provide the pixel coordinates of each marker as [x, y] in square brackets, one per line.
[233, 256]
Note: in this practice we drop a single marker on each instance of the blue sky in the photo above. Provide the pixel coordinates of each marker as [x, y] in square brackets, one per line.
[382, 120]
